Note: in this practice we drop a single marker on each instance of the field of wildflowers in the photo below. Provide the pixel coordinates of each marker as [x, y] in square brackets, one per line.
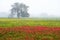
[36, 30]
[30, 33]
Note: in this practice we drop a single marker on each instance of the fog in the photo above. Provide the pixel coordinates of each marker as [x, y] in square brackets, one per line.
[37, 8]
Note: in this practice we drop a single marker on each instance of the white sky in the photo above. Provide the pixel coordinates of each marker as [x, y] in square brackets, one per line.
[37, 8]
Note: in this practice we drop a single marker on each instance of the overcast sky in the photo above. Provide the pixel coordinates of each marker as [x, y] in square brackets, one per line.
[37, 8]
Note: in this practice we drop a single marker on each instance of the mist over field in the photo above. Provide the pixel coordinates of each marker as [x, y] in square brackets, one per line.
[29, 19]
[37, 8]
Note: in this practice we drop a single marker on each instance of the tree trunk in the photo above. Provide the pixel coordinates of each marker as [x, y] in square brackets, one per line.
[18, 14]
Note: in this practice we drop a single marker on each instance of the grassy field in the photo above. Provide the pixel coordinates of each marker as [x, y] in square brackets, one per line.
[5, 22]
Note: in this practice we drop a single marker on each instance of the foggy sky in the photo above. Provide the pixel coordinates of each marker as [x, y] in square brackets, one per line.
[37, 8]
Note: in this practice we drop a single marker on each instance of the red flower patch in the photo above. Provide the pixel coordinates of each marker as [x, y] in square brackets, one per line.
[30, 33]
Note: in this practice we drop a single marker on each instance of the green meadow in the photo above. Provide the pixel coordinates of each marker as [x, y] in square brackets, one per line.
[12, 22]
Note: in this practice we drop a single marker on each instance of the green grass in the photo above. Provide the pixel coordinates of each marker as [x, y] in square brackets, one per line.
[5, 22]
